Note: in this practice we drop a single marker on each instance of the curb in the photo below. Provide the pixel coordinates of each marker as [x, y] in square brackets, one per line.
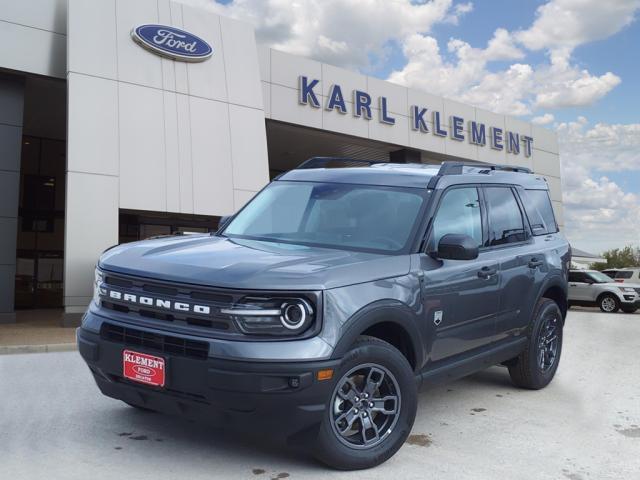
[54, 347]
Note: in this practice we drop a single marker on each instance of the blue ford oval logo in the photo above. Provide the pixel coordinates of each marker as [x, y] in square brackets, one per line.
[172, 42]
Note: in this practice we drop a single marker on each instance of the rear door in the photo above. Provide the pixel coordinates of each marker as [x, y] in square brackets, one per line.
[521, 259]
[460, 297]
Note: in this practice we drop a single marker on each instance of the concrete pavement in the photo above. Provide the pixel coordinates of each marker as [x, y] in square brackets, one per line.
[54, 424]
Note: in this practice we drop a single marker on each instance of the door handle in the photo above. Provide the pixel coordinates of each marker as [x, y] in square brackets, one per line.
[486, 272]
[535, 263]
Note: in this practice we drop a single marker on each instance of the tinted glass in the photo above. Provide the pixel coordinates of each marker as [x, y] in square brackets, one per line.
[459, 212]
[624, 274]
[330, 215]
[540, 212]
[576, 277]
[505, 218]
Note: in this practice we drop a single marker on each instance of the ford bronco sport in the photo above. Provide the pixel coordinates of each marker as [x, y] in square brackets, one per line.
[318, 310]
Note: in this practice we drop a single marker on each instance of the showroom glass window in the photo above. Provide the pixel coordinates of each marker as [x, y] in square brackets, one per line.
[459, 212]
[506, 224]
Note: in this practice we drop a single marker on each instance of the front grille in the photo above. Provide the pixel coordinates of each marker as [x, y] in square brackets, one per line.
[155, 341]
[213, 324]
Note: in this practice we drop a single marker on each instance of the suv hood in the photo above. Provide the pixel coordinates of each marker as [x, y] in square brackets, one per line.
[249, 264]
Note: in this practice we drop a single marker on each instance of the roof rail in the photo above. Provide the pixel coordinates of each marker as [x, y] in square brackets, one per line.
[323, 162]
[456, 168]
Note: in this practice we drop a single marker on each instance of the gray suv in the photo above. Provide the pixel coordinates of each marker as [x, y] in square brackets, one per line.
[317, 311]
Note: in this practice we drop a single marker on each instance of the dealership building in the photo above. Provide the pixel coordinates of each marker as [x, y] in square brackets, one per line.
[124, 119]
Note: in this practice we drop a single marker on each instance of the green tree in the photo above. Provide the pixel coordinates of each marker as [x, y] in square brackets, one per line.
[619, 258]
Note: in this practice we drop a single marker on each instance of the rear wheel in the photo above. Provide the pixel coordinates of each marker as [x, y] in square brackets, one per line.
[372, 408]
[536, 366]
[608, 303]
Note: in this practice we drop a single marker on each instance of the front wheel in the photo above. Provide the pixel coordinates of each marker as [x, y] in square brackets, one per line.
[372, 408]
[536, 366]
[609, 303]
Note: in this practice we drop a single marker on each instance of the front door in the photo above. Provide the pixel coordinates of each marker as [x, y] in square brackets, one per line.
[580, 287]
[461, 297]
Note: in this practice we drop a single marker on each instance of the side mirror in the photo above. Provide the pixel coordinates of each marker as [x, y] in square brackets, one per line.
[456, 246]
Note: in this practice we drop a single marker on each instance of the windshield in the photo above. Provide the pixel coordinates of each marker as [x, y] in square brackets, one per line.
[361, 217]
[600, 277]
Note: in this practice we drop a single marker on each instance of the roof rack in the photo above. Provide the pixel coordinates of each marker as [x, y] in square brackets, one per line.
[323, 162]
[456, 168]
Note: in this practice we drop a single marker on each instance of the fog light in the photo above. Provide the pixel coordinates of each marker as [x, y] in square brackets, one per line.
[294, 382]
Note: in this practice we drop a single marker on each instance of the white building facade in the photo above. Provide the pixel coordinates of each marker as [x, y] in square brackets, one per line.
[104, 141]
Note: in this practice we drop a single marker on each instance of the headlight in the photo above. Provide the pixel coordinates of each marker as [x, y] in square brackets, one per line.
[627, 289]
[272, 316]
[98, 278]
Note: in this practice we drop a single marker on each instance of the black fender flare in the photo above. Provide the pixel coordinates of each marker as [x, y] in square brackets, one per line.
[552, 282]
[382, 311]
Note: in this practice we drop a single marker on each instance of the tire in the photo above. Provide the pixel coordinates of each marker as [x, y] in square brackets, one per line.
[608, 303]
[628, 309]
[536, 366]
[349, 411]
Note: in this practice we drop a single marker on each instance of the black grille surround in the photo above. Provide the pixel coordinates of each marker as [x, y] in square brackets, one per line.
[211, 325]
[154, 341]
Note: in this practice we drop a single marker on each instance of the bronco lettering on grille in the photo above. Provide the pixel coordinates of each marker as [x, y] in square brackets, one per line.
[158, 302]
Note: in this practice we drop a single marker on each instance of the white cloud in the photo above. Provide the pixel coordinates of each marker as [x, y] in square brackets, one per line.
[545, 119]
[599, 213]
[562, 24]
[604, 147]
[521, 88]
[347, 33]
[566, 86]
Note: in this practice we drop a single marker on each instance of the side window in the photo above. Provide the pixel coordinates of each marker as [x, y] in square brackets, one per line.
[459, 212]
[576, 277]
[540, 212]
[624, 275]
[505, 219]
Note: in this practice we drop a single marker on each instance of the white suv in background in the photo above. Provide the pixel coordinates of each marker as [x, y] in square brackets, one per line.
[592, 288]
[628, 275]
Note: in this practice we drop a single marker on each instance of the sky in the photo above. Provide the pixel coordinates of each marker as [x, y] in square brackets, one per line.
[569, 65]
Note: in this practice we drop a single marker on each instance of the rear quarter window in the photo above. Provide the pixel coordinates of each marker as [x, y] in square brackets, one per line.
[624, 275]
[537, 205]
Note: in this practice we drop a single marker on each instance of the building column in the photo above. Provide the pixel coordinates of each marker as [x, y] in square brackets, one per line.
[11, 108]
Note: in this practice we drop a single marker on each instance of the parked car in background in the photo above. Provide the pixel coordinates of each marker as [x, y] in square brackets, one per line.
[592, 288]
[611, 272]
[628, 275]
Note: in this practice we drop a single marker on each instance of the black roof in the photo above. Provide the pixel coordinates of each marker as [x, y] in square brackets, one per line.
[415, 175]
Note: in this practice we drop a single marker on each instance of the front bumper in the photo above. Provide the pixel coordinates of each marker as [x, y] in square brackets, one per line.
[281, 398]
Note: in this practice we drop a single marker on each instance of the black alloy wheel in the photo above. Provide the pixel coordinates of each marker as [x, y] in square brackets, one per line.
[366, 404]
[548, 342]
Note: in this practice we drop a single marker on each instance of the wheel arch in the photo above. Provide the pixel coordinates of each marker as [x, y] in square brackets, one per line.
[392, 322]
[557, 290]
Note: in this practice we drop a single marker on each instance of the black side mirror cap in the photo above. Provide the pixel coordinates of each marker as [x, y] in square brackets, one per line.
[456, 246]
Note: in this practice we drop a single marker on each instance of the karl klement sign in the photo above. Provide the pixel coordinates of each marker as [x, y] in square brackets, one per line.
[478, 133]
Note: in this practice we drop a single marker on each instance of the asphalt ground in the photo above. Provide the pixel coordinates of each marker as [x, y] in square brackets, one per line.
[54, 424]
